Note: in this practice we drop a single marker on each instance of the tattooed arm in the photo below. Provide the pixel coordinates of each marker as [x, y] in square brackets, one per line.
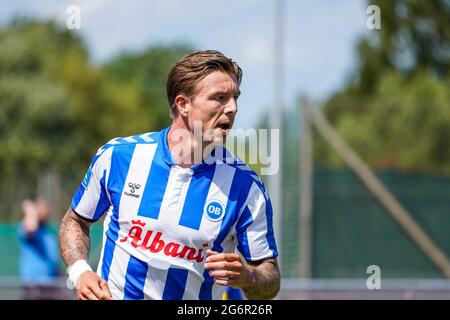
[74, 245]
[74, 241]
[259, 280]
[265, 282]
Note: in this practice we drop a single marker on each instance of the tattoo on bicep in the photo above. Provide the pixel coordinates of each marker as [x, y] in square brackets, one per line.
[74, 241]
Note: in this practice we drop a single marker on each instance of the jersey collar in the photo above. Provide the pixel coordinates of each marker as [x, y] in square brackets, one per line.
[168, 158]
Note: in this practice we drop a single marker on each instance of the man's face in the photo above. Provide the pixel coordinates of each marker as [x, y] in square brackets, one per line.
[214, 105]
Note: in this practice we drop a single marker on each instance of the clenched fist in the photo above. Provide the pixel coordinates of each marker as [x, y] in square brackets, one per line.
[228, 269]
[91, 287]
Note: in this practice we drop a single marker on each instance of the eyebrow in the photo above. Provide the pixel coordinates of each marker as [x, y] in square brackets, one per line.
[236, 92]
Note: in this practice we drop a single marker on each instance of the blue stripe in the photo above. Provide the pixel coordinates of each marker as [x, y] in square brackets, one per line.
[95, 158]
[103, 202]
[192, 213]
[235, 199]
[120, 163]
[155, 186]
[269, 216]
[122, 140]
[175, 284]
[233, 293]
[157, 136]
[81, 189]
[135, 279]
[77, 196]
[161, 137]
[270, 234]
[245, 220]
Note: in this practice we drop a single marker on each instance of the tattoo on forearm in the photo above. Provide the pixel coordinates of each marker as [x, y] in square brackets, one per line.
[266, 280]
[74, 242]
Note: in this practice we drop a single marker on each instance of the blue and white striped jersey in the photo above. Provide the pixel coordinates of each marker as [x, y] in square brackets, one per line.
[161, 218]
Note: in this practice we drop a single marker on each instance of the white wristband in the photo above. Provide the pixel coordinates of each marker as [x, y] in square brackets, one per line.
[76, 269]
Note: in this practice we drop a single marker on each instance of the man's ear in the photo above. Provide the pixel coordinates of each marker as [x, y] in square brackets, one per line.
[182, 104]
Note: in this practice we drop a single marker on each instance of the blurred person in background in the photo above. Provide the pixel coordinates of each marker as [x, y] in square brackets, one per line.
[38, 266]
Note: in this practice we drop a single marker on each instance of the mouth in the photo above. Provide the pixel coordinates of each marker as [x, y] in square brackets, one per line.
[224, 126]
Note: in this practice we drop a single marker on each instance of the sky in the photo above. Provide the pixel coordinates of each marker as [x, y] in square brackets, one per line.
[318, 47]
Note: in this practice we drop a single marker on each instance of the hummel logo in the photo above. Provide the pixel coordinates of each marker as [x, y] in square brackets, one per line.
[133, 187]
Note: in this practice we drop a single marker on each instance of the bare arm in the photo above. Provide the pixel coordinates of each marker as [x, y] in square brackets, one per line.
[265, 282]
[259, 280]
[74, 241]
[74, 244]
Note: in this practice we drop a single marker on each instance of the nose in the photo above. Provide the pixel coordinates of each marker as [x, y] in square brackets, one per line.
[231, 107]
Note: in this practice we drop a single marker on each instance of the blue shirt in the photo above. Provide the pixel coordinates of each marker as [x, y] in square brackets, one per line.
[39, 255]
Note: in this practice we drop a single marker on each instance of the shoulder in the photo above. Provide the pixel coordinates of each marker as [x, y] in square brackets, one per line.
[120, 143]
[245, 175]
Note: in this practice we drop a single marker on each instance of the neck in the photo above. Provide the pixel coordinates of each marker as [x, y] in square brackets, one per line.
[185, 145]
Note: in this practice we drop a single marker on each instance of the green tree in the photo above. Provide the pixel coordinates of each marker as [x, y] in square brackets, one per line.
[146, 72]
[394, 109]
[414, 36]
[36, 124]
[56, 108]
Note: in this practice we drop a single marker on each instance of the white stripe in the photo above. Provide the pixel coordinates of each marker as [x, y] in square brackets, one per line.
[193, 284]
[217, 292]
[114, 141]
[116, 279]
[104, 147]
[138, 172]
[257, 231]
[130, 139]
[88, 202]
[175, 195]
[156, 279]
[146, 137]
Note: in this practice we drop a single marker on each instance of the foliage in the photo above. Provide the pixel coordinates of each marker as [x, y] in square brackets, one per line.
[394, 111]
[56, 107]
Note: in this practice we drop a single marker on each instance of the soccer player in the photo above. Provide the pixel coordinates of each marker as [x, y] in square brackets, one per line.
[174, 218]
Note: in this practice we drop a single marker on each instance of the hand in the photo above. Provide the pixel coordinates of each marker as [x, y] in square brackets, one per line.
[30, 216]
[227, 269]
[29, 208]
[91, 287]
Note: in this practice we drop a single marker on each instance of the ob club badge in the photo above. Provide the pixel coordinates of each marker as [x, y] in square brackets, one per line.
[214, 210]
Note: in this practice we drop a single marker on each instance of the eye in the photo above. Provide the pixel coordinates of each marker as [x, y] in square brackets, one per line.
[220, 98]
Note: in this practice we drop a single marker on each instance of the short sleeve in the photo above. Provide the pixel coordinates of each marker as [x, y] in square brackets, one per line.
[91, 200]
[254, 228]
